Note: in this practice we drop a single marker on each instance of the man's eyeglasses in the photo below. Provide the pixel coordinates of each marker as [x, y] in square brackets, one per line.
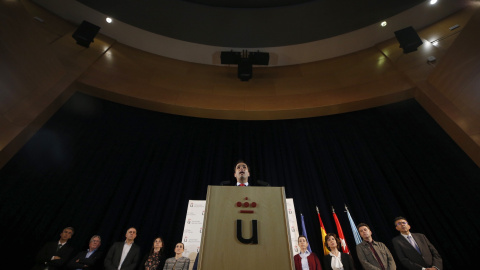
[402, 223]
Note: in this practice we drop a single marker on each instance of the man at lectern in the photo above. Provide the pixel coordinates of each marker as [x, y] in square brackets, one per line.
[242, 174]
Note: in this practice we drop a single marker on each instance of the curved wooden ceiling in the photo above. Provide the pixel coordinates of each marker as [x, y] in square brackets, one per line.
[238, 26]
[293, 34]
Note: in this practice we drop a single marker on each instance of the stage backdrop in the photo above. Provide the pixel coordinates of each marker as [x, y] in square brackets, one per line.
[102, 167]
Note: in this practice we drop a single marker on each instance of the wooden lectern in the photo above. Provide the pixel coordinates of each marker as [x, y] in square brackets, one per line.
[245, 228]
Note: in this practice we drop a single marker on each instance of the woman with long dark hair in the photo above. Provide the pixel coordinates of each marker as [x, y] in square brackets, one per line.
[155, 259]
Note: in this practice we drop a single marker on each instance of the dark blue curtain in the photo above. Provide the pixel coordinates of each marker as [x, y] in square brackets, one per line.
[102, 167]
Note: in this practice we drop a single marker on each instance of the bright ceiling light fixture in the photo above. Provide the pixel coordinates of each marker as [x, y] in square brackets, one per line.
[433, 2]
[435, 43]
[109, 20]
[383, 24]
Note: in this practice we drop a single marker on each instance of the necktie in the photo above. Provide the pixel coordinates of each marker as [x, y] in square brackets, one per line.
[242, 185]
[59, 246]
[410, 239]
[376, 256]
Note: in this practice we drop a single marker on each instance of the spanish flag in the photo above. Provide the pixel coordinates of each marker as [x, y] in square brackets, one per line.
[323, 232]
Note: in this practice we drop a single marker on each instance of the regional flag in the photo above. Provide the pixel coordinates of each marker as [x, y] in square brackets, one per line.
[304, 233]
[324, 233]
[340, 233]
[358, 239]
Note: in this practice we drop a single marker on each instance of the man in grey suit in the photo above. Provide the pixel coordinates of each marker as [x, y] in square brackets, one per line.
[414, 250]
[373, 255]
[123, 255]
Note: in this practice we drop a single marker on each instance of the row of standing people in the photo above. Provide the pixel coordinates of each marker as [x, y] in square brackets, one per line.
[414, 251]
[121, 255]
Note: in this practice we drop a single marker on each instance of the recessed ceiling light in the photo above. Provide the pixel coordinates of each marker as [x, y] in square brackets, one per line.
[383, 24]
[433, 2]
[109, 20]
[435, 43]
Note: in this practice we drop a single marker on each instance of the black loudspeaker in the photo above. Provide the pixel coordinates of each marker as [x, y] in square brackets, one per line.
[259, 58]
[408, 39]
[245, 61]
[85, 33]
[245, 69]
[230, 58]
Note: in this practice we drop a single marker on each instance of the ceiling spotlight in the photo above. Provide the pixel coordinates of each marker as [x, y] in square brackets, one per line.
[109, 20]
[383, 24]
[433, 2]
[435, 43]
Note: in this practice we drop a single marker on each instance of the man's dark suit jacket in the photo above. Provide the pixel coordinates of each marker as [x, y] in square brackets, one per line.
[250, 183]
[112, 260]
[92, 262]
[346, 259]
[49, 250]
[410, 258]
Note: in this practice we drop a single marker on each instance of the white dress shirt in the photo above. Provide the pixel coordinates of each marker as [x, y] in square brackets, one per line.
[126, 249]
[337, 261]
[304, 256]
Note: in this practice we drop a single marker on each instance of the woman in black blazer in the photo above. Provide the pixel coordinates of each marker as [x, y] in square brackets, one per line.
[336, 260]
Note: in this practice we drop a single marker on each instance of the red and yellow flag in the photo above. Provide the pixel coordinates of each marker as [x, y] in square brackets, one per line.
[324, 233]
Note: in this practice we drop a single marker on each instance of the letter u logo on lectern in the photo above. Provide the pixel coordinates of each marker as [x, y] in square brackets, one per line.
[253, 239]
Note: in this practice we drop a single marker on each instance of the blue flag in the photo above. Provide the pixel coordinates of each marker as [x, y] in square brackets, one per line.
[358, 239]
[304, 233]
